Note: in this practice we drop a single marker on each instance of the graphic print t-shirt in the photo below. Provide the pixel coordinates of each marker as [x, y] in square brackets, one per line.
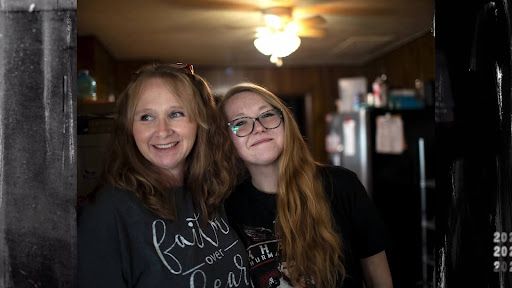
[253, 214]
[260, 239]
[122, 244]
[258, 234]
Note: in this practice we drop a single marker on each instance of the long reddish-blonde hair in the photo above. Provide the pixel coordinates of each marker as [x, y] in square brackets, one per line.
[207, 175]
[310, 246]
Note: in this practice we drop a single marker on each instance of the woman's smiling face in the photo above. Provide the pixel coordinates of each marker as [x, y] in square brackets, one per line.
[162, 128]
[262, 146]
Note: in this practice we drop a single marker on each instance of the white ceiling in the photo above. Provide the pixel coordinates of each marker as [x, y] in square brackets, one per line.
[221, 32]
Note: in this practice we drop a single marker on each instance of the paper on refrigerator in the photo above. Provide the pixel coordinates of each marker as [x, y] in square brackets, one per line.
[389, 134]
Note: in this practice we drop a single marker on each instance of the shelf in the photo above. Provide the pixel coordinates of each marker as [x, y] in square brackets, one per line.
[96, 108]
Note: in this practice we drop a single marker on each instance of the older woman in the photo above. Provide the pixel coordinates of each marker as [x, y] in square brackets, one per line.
[158, 221]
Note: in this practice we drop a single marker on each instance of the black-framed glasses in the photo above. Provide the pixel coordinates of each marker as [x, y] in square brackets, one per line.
[244, 126]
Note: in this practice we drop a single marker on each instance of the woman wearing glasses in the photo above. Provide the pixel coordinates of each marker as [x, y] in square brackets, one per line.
[158, 221]
[303, 224]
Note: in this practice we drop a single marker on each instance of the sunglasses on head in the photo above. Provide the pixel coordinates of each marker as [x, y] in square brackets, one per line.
[187, 68]
[170, 67]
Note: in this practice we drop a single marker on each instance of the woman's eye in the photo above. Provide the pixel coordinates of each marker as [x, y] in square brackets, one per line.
[239, 123]
[267, 114]
[176, 114]
[146, 117]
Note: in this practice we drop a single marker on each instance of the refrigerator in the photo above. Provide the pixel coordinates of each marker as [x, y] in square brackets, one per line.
[391, 151]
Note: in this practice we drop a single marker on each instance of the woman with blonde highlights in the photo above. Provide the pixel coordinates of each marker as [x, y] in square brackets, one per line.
[158, 221]
[303, 224]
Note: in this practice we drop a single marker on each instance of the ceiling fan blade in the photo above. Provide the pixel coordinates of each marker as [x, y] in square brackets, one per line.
[312, 32]
[313, 21]
[215, 4]
[346, 8]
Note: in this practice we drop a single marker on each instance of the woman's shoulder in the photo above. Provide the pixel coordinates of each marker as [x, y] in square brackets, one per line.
[112, 195]
[342, 183]
[337, 173]
[108, 200]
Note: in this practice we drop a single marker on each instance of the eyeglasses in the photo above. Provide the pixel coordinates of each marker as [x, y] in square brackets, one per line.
[243, 126]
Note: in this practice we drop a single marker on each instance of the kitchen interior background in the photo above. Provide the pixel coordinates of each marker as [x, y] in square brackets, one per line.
[375, 117]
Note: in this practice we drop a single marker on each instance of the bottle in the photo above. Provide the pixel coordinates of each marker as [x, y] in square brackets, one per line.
[384, 90]
[380, 91]
[377, 92]
[86, 86]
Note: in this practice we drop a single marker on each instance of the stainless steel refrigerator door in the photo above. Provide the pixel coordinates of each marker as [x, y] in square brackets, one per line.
[351, 129]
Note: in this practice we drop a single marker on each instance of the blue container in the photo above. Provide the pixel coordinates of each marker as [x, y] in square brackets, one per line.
[86, 86]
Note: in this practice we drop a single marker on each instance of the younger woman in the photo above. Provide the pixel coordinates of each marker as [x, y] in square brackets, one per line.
[304, 225]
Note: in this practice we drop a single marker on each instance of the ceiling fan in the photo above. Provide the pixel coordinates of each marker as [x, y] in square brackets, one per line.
[305, 14]
[286, 21]
[281, 32]
[282, 17]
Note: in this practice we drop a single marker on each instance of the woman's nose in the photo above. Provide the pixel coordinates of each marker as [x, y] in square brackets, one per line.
[258, 127]
[163, 128]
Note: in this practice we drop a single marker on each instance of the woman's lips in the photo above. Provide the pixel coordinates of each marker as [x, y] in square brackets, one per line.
[261, 141]
[165, 146]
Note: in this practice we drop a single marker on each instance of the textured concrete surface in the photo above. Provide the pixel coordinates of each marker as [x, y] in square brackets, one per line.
[37, 144]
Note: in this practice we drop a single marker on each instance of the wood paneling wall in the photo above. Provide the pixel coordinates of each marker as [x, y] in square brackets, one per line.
[414, 60]
[93, 56]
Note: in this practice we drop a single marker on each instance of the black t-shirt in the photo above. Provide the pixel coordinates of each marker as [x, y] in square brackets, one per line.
[123, 244]
[253, 215]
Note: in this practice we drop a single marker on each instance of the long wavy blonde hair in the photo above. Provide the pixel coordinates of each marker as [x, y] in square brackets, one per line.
[207, 175]
[310, 246]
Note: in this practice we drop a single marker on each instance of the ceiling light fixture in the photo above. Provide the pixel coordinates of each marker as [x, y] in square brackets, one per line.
[277, 39]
